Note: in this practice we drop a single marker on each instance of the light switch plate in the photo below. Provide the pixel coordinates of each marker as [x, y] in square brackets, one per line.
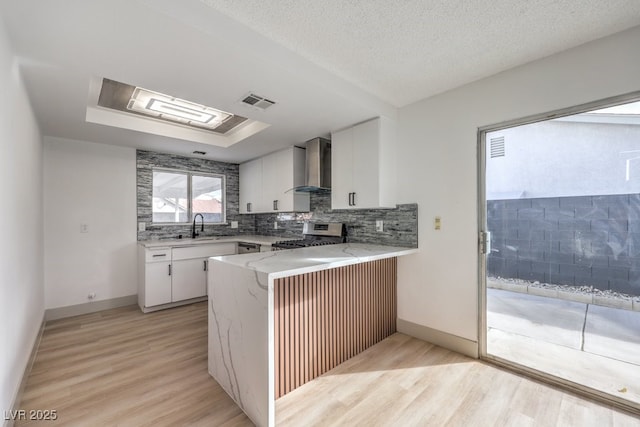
[234, 224]
[84, 228]
[142, 226]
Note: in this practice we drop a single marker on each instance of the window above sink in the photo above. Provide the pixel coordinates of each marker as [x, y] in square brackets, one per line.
[179, 195]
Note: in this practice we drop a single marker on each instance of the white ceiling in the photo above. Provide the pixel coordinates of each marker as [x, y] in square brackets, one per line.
[327, 64]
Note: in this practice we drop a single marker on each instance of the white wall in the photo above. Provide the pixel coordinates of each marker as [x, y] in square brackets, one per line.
[93, 184]
[21, 252]
[560, 158]
[438, 288]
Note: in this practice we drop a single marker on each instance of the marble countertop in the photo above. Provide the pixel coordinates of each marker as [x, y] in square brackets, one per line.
[292, 262]
[260, 240]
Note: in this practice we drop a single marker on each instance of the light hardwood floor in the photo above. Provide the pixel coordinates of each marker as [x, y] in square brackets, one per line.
[122, 367]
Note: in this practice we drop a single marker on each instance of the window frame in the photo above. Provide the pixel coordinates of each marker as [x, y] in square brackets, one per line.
[190, 174]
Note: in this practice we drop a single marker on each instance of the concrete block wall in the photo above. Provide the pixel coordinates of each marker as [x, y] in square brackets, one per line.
[585, 240]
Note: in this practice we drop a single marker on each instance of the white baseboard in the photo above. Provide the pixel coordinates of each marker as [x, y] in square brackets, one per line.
[173, 304]
[17, 400]
[89, 307]
[442, 339]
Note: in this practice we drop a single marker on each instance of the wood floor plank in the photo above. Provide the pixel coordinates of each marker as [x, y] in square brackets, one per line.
[122, 367]
[402, 381]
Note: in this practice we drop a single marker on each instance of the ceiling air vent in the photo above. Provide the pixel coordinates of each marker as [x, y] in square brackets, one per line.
[257, 101]
[497, 147]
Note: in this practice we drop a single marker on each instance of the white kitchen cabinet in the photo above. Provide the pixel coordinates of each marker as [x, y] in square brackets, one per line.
[190, 266]
[168, 276]
[154, 281]
[189, 279]
[251, 186]
[158, 283]
[265, 183]
[363, 174]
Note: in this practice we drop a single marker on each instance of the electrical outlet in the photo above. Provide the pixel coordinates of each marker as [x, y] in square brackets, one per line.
[275, 225]
[379, 226]
[234, 224]
[84, 228]
[91, 295]
[142, 226]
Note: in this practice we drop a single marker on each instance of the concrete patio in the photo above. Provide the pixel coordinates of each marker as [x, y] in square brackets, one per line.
[584, 343]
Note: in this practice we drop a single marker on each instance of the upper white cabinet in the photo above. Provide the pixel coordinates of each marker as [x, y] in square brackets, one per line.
[251, 186]
[363, 173]
[265, 183]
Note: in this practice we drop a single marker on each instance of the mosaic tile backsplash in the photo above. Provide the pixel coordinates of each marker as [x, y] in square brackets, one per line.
[400, 224]
[147, 160]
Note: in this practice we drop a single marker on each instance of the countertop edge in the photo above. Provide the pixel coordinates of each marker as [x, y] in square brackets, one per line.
[187, 242]
[337, 264]
[327, 257]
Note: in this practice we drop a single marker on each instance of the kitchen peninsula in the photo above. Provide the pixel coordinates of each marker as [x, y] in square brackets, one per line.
[279, 319]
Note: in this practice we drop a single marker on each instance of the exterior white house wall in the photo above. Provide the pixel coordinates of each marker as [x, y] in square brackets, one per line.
[560, 158]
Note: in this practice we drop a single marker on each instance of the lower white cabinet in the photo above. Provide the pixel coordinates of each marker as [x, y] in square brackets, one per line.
[171, 275]
[189, 279]
[157, 283]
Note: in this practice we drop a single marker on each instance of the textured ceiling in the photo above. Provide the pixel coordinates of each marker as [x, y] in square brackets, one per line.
[406, 50]
[328, 64]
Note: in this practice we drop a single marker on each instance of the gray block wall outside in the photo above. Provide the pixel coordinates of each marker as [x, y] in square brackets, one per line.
[575, 241]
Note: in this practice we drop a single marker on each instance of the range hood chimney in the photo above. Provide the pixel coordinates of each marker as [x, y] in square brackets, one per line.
[318, 166]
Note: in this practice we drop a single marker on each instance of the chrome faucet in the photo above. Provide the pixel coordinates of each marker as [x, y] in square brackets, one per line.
[193, 228]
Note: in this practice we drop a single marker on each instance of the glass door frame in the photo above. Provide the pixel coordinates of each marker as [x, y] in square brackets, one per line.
[482, 258]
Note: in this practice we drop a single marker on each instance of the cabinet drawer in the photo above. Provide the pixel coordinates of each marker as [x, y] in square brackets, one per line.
[158, 255]
[203, 251]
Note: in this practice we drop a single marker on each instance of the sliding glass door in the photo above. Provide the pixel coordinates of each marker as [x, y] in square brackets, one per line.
[560, 270]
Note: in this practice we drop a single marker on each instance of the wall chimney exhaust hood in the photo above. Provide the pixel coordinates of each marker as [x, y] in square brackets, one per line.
[318, 167]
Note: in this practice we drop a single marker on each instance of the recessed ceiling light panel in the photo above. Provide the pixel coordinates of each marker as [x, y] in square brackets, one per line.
[166, 107]
[141, 101]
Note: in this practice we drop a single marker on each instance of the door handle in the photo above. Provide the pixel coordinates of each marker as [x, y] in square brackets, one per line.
[205, 264]
[350, 199]
[248, 207]
[354, 199]
[169, 269]
[275, 205]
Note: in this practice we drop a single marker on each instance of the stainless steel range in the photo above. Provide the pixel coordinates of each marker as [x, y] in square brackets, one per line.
[316, 234]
